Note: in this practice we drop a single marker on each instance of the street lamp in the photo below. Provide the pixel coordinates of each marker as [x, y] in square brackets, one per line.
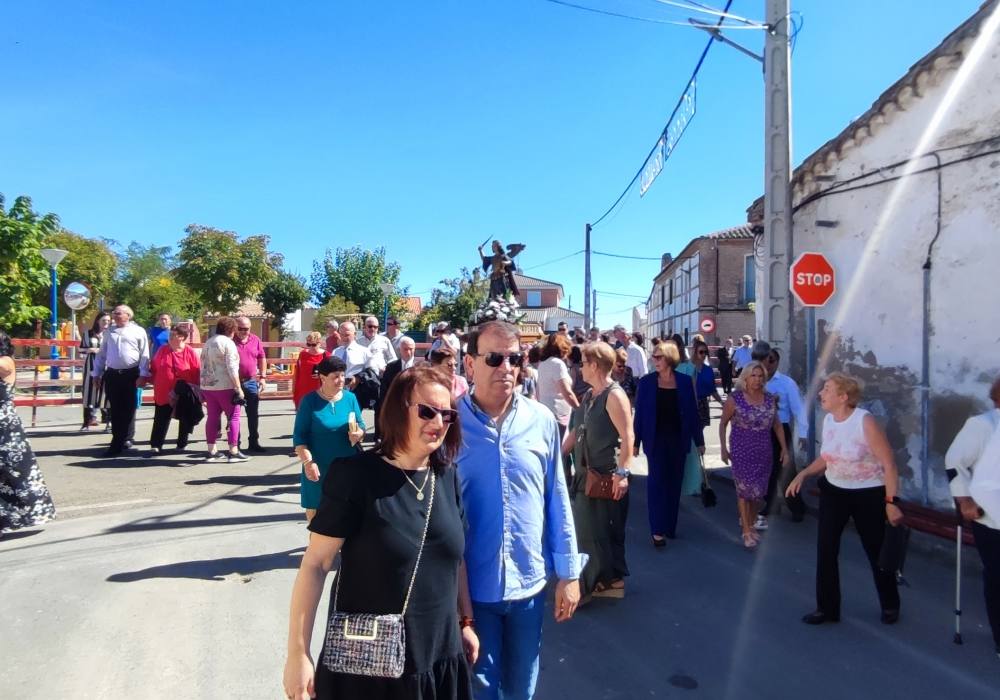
[387, 289]
[53, 256]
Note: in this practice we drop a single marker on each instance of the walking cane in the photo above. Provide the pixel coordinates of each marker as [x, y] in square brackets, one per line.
[958, 580]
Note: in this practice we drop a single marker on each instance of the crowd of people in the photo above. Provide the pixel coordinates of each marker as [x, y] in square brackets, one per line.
[496, 465]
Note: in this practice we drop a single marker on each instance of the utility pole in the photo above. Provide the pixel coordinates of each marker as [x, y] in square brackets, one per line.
[774, 302]
[586, 279]
[593, 308]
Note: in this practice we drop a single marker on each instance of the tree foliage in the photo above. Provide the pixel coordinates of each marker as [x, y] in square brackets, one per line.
[282, 295]
[23, 271]
[90, 261]
[222, 270]
[147, 283]
[336, 306]
[456, 301]
[355, 274]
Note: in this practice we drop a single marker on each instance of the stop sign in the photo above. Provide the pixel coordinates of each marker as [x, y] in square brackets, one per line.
[812, 279]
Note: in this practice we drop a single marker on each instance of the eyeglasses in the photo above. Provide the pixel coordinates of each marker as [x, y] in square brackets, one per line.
[375, 327]
[657, 357]
[425, 412]
[243, 330]
[392, 323]
[311, 345]
[495, 359]
[702, 352]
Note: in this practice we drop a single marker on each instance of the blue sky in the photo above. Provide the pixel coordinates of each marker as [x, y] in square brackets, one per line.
[421, 126]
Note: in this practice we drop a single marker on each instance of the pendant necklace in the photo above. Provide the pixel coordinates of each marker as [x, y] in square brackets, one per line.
[420, 491]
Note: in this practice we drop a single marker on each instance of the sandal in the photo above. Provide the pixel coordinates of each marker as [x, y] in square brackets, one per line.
[748, 541]
[604, 590]
[659, 541]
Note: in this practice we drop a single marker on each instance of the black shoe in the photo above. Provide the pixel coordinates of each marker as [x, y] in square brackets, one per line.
[890, 617]
[662, 542]
[255, 447]
[128, 445]
[107, 454]
[818, 617]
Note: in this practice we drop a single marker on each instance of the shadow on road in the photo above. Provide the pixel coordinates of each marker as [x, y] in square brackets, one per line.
[215, 569]
[248, 480]
[141, 526]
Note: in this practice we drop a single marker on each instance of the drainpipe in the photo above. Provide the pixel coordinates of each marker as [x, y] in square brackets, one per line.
[925, 358]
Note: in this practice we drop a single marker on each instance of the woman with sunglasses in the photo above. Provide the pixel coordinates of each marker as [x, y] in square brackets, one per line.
[700, 370]
[600, 438]
[381, 502]
[666, 424]
[328, 425]
[623, 375]
[445, 359]
[172, 363]
[306, 379]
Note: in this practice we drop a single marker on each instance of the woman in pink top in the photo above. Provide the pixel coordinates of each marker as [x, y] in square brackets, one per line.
[859, 481]
[444, 358]
[173, 362]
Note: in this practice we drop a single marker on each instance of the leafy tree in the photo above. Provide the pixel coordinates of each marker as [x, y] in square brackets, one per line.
[336, 306]
[90, 261]
[146, 283]
[222, 270]
[355, 274]
[456, 302]
[282, 295]
[23, 272]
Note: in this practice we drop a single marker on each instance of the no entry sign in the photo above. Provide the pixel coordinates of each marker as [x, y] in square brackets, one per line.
[812, 279]
[707, 324]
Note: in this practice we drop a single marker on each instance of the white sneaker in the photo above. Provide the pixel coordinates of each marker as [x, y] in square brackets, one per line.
[761, 523]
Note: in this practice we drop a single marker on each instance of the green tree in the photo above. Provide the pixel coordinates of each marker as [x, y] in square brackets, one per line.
[146, 283]
[222, 270]
[355, 274]
[23, 272]
[456, 301]
[90, 261]
[336, 306]
[282, 295]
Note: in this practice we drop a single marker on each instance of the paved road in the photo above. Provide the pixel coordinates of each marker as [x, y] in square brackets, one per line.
[169, 578]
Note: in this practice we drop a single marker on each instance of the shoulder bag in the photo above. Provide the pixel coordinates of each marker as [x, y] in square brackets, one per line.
[365, 644]
[599, 484]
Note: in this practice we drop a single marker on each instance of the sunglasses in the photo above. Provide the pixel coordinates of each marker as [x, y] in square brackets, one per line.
[311, 345]
[495, 359]
[701, 352]
[243, 329]
[425, 412]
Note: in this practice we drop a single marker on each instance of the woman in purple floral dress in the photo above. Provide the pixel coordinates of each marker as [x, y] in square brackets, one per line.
[754, 414]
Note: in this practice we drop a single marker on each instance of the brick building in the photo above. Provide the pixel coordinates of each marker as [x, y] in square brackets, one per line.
[539, 300]
[713, 278]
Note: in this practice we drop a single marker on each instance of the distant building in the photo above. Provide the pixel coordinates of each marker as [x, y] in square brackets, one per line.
[711, 281]
[540, 299]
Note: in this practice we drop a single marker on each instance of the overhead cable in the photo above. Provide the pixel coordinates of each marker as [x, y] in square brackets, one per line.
[652, 20]
[549, 262]
[627, 257]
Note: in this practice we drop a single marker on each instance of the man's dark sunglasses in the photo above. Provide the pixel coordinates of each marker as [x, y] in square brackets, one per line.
[495, 359]
[425, 412]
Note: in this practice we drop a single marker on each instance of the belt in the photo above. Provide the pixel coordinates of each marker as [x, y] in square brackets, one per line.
[123, 371]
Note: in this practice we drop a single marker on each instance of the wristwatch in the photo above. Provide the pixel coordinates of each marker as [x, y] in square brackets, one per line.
[622, 472]
[466, 621]
[895, 500]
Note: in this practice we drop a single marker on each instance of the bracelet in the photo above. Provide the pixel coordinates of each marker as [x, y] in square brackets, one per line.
[895, 501]
[466, 621]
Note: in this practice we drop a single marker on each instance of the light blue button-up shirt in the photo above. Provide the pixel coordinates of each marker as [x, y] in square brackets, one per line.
[516, 502]
[789, 402]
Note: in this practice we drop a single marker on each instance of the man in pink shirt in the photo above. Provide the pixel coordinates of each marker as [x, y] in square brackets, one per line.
[253, 369]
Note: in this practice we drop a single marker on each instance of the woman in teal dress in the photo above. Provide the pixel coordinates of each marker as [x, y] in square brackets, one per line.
[702, 376]
[328, 426]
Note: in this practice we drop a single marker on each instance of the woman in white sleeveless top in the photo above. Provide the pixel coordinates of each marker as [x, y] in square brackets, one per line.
[859, 481]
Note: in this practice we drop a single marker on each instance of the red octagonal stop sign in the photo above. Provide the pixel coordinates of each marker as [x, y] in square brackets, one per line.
[812, 279]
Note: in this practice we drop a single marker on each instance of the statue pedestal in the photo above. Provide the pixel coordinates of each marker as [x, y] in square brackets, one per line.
[497, 309]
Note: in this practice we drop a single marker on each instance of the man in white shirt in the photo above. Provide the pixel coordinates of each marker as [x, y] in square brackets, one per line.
[393, 333]
[963, 459]
[562, 328]
[790, 406]
[122, 365]
[354, 355]
[594, 334]
[379, 347]
[742, 356]
[636, 355]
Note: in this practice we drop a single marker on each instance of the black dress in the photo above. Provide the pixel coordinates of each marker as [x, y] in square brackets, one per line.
[24, 499]
[370, 504]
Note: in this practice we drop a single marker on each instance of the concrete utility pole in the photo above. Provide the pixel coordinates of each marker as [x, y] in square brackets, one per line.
[586, 279]
[774, 303]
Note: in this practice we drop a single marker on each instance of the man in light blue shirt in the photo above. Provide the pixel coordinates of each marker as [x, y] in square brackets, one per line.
[518, 509]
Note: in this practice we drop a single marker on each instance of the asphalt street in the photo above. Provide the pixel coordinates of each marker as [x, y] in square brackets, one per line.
[167, 577]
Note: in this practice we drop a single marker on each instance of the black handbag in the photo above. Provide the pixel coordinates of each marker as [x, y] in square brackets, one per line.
[708, 497]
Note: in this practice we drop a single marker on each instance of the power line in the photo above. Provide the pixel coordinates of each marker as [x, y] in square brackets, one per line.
[709, 10]
[619, 294]
[651, 20]
[627, 257]
[680, 101]
[549, 262]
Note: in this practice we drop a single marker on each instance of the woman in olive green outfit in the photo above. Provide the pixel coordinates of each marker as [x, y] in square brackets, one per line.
[601, 439]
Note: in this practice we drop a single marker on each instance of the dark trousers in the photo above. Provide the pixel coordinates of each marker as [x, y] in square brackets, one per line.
[161, 425]
[988, 544]
[119, 386]
[663, 485]
[600, 533]
[781, 477]
[567, 460]
[726, 375]
[252, 410]
[867, 508]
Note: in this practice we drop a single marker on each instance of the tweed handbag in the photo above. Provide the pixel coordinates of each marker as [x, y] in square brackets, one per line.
[365, 644]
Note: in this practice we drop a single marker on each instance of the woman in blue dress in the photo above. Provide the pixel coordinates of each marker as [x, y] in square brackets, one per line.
[328, 426]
